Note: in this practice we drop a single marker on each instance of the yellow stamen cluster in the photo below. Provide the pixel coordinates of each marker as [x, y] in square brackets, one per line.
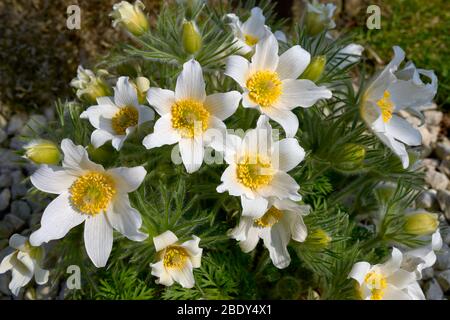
[175, 257]
[377, 284]
[126, 117]
[92, 193]
[189, 117]
[254, 172]
[250, 40]
[264, 87]
[272, 216]
[386, 105]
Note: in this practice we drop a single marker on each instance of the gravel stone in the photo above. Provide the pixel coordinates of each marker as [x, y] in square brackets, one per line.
[3, 135]
[436, 180]
[443, 279]
[21, 209]
[15, 124]
[5, 180]
[428, 200]
[433, 290]
[5, 197]
[443, 197]
[15, 222]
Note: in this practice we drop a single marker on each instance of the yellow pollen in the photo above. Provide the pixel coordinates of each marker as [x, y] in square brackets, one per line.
[175, 257]
[272, 216]
[92, 193]
[376, 283]
[264, 87]
[189, 117]
[124, 118]
[254, 172]
[251, 40]
[386, 106]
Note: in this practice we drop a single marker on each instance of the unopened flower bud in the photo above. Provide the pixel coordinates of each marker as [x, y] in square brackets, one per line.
[142, 84]
[131, 17]
[91, 86]
[42, 152]
[192, 39]
[318, 238]
[421, 224]
[350, 157]
[319, 17]
[315, 69]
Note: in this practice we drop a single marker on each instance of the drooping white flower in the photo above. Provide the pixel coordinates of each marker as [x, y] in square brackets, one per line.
[115, 118]
[249, 33]
[176, 261]
[89, 85]
[281, 222]
[415, 260]
[386, 281]
[387, 94]
[88, 193]
[319, 16]
[188, 116]
[270, 82]
[24, 263]
[130, 16]
[257, 168]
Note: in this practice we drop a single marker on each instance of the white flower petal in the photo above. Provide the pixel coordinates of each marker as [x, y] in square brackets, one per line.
[125, 93]
[164, 240]
[40, 275]
[223, 105]
[303, 93]
[298, 229]
[159, 271]
[76, 157]
[100, 137]
[106, 101]
[6, 263]
[230, 182]
[287, 154]
[184, 276]
[163, 133]
[118, 141]
[282, 186]
[58, 218]
[94, 113]
[276, 240]
[255, 24]
[52, 179]
[98, 239]
[237, 68]
[293, 62]
[192, 153]
[190, 83]
[286, 118]
[392, 293]
[393, 264]
[128, 179]
[161, 99]
[247, 102]
[17, 241]
[397, 147]
[194, 251]
[254, 208]
[241, 231]
[359, 271]
[401, 278]
[19, 280]
[266, 55]
[126, 219]
[251, 240]
[402, 130]
[145, 114]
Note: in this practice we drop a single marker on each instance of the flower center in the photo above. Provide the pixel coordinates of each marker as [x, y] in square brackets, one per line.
[272, 216]
[189, 117]
[251, 40]
[92, 193]
[386, 106]
[376, 283]
[264, 87]
[124, 118]
[175, 257]
[254, 172]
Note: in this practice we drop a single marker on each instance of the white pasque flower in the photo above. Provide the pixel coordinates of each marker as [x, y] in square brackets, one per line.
[249, 33]
[89, 85]
[257, 168]
[88, 193]
[322, 12]
[177, 261]
[115, 118]
[270, 82]
[24, 263]
[385, 96]
[387, 281]
[281, 222]
[188, 116]
[131, 16]
[415, 260]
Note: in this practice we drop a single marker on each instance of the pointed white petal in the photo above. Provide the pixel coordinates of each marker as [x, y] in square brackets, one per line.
[301, 93]
[40, 275]
[98, 239]
[285, 118]
[192, 152]
[100, 137]
[126, 219]
[359, 271]
[125, 93]
[254, 208]
[401, 278]
[159, 271]
[255, 25]
[402, 130]
[190, 83]
[161, 99]
[195, 252]
[52, 179]
[276, 240]
[95, 112]
[58, 218]
[6, 263]
[287, 154]
[223, 105]
[294, 221]
[237, 68]
[164, 240]
[293, 62]
[392, 293]
[266, 55]
[76, 157]
[128, 179]
[240, 232]
[250, 242]
[282, 186]
[393, 264]
[397, 147]
[184, 276]
[230, 182]
[145, 114]
[19, 280]
[163, 133]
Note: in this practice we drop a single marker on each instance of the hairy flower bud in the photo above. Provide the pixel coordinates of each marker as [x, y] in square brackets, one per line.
[350, 157]
[91, 86]
[42, 152]
[131, 17]
[421, 223]
[315, 69]
[192, 39]
[318, 238]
